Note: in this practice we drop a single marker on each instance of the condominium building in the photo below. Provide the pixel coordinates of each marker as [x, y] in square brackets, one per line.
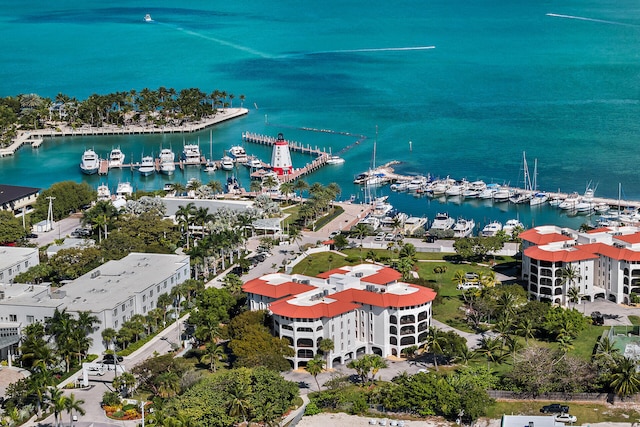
[606, 263]
[14, 260]
[17, 200]
[113, 292]
[362, 308]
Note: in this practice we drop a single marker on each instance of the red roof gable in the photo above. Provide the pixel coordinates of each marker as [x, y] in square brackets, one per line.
[534, 236]
[616, 253]
[576, 253]
[277, 291]
[383, 276]
[388, 299]
[629, 238]
[315, 311]
[326, 274]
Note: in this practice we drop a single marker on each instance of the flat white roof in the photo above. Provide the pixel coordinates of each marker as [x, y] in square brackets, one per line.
[10, 255]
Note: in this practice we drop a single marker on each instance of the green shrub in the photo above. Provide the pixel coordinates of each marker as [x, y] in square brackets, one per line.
[118, 414]
[312, 409]
[129, 406]
[111, 398]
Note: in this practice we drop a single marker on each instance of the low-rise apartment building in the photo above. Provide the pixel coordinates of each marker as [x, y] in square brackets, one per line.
[606, 262]
[362, 308]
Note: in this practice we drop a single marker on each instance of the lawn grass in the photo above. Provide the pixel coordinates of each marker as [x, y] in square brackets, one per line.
[592, 412]
[584, 344]
[635, 320]
[319, 263]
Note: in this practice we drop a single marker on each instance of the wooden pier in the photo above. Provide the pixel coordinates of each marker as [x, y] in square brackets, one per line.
[104, 167]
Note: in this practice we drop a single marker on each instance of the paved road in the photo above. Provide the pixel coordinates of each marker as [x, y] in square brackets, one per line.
[61, 229]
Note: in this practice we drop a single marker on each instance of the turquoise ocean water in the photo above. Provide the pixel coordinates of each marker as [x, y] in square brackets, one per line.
[503, 78]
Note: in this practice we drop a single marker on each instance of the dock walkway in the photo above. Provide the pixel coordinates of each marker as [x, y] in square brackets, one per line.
[35, 137]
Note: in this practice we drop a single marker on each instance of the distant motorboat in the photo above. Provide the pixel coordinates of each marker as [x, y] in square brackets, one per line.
[442, 221]
[254, 163]
[511, 225]
[335, 160]
[116, 158]
[90, 162]
[463, 228]
[167, 161]
[586, 204]
[210, 166]
[124, 190]
[238, 154]
[103, 192]
[570, 202]
[502, 194]
[147, 166]
[226, 163]
[191, 154]
[489, 192]
[491, 229]
[538, 199]
[147, 18]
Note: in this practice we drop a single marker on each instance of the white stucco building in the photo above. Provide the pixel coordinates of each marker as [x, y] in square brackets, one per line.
[363, 309]
[114, 292]
[14, 261]
[606, 262]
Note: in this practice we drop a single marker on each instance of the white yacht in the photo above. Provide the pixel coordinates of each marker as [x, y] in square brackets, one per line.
[210, 166]
[491, 229]
[191, 154]
[457, 188]
[441, 186]
[124, 190]
[474, 190]
[147, 18]
[416, 183]
[570, 202]
[226, 163]
[442, 221]
[586, 203]
[518, 197]
[167, 161]
[502, 194]
[103, 192]
[489, 192]
[463, 228]
[90, 162]
[116, 158]
[254, 163]
[238, 154]
[335, 160]
[538, 199]
[380, 207]
[511, 225]
[147, 166]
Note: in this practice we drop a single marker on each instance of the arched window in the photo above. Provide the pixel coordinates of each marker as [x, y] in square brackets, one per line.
[305, 342]
[393, 319]
[305, 353]
[393, 340]
[407, 341]
[406, 330]
[423, 316]
[393, 330]
[404, 320]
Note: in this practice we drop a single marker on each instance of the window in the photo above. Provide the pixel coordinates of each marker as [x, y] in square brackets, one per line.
[151, 293]
[115, 324]
[144, 298]
[30, 319]
[115, 312]
[26, 264]
[144, 308]
[13, 318]
[123, 307]
[158, 288]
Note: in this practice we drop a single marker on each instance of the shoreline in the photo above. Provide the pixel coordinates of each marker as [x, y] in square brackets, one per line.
[35, 136]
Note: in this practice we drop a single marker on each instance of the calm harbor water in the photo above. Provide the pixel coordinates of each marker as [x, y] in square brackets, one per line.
[559, 81]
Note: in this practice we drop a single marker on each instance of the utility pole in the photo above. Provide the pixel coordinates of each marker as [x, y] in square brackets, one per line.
[50, 213]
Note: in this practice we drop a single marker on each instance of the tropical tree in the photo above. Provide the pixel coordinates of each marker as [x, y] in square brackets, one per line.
[625, 380]
[360, 231]
[433, 344]
[57, 403]
[125, 382]
[314, 367]
[72, 405]
[569, 275]
[491, 348]
[184, 216]
[326, 346]
[212, 355]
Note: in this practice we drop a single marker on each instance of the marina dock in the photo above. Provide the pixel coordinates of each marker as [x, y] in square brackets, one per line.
[36, 137]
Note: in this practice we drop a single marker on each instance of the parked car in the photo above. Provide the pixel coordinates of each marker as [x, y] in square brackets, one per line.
[380, 236]
[566, 418]
[555, 408]
[467, 285]
[109, 359]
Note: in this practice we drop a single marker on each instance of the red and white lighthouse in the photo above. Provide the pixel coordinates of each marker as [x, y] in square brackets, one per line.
[280, 157]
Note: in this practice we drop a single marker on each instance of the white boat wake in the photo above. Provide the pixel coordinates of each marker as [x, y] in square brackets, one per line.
[219, 41]
[382, 49]
[582, 18]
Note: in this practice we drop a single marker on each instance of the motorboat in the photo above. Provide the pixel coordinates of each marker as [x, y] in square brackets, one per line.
[570, 202]
[601, 207]
[147, 166]
[124, 190]
[539, 198]
[90, 162]
[555, 201]
[489, 192]
[511, 225]
[457, 188]
[380, 207]
[585, 205]
[233, 186]
[474, 190]
[210, 166]
[416, 183]
[103, 192]
[399, 186]
[191, 154]
[147, 18]
[518, 197]
[226, 163]
[442, 221]
[440, 187]
[371, 221]
[254, 163]
[463, 228]
[502, 194]
[335, 160]
[167, 161]
[116, 158]
[238, 154]
[491, 229]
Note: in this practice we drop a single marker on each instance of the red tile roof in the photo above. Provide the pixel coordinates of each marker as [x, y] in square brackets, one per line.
[383, 276]
[629, 238]
[277, 291]
[616, 253]
[314, 311]
[388, 299]
[534, 236]
[326, 274]
[576, 253]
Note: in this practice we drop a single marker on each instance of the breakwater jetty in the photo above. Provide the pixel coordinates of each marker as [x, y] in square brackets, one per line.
[36, 137]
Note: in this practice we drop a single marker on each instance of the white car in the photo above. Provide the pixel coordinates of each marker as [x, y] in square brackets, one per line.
[467, 285]
[380, 237]
[566, 418]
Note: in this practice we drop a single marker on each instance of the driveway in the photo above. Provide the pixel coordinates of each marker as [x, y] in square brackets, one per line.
[61, 229]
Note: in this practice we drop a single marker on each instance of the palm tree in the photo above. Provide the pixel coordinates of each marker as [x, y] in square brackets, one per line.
[526, 329]
[286, 188]
[491, 348]
[57, 403]
[574, 295]
[239, 404]
[625, 380]
[607, 350]
[215, 186]
[71, 405]
[459, 277]
[432, 344]
[326, 346]
[376, 363]
[184, 216]
[300, 186]
[255, 187]
[314, 367]
[213, 354]
[360, 231]
[569, 276]
[125, 381]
